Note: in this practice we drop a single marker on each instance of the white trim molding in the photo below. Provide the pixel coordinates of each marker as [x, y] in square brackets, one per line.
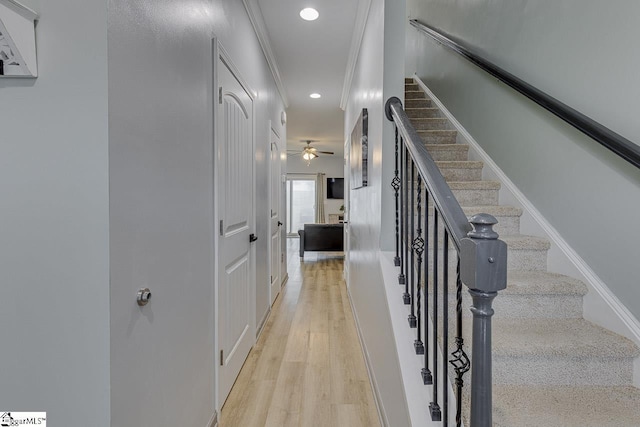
[362, 16]
[260, 28]
[600, 306]
[24, 10]
[213, 422]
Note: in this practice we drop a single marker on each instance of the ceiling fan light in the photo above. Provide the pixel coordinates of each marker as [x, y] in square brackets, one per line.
[309, 14]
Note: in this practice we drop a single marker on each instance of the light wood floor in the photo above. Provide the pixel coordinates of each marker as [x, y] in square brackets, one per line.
[307, 368]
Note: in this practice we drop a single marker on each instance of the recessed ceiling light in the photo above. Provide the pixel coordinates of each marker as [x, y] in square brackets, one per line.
[309, 14]
[315, 95]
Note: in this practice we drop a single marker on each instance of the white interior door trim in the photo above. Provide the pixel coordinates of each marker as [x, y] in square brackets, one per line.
[220, 54]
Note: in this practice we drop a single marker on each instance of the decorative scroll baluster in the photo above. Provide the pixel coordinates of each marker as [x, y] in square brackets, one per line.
[427, 378]
[445, 329]
[395, 184]
[418, 247]
[406, 297]
[434, 407]
[401, 278]
[412, 210]
[460, 361]
[481, 267]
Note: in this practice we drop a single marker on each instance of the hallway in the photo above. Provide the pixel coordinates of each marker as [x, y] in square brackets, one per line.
[307, 368]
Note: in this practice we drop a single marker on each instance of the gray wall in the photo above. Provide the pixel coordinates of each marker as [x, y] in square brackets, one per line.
[331, 166]
[161, 151]
[54, 237]
[161, 188]
[579, 52]
[145, 129]
[370, 80]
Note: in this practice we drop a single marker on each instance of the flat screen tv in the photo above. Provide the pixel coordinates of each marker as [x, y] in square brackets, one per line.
[335, 188]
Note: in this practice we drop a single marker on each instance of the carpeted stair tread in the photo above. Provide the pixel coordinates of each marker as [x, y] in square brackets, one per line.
[542, 283]
[570, 338]
[565, 406]
[474, 185]
[418, 103]
[541, 343]
[431, 123]
[495, 210]
[462, 164]
[413, 112]
[414, 94]
[523, 241]
[437, 132]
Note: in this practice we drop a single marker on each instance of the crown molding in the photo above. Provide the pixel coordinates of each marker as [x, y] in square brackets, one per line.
[24, 10]
[257, 20]
[362, 16]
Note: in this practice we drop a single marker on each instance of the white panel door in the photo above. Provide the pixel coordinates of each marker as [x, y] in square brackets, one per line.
[236, 270]
[276, 221]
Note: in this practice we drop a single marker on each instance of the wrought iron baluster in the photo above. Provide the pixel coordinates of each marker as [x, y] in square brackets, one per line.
[445, 329]
[434, 407]
[412, 211]
[460, 361]
[406, 297]
[395, 184]
[401, 278]
[427, 378]
[418, 247]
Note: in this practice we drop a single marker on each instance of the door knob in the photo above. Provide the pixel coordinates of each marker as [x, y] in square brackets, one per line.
[279, 223]
[252, 238]
[144, 295]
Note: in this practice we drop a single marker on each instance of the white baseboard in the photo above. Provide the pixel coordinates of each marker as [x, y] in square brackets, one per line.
[213, 422]
[262, 323]
[600, 306]
[384, 421]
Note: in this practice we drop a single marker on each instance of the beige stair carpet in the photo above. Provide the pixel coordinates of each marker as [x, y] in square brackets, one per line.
[551, 367]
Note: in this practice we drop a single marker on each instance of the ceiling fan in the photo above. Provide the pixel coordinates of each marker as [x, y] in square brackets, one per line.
[308, 152]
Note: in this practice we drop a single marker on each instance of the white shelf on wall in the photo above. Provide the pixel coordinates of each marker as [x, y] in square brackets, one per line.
[17, 40]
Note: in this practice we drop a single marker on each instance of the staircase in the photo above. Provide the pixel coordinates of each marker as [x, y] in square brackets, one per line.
[550, 366]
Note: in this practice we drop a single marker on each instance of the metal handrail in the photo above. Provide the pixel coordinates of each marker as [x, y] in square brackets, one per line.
[481, 267]
[443, 197]
[603, 135]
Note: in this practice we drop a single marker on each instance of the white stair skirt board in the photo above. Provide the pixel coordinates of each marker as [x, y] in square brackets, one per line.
[418, 395]
[384, 420]
[601, 306]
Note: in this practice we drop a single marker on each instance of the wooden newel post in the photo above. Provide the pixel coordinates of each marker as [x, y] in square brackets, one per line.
[483, 269]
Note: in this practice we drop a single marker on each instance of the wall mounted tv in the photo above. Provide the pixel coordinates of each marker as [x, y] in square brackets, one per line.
[335, 188]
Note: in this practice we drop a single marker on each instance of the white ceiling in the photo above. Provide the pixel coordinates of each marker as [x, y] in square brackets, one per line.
[311, 56]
